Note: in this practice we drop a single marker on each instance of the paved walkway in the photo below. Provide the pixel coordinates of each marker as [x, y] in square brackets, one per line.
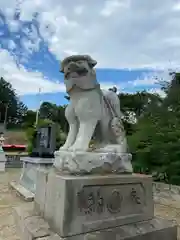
[165, 206]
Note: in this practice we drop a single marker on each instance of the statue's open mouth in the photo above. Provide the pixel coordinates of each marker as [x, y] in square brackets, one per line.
[76, 74]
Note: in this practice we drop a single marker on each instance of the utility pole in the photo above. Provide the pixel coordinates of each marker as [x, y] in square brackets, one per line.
[5, 118]
[37, 112]
[37, 116]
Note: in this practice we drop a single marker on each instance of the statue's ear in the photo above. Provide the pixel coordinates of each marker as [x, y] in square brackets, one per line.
[92, 63]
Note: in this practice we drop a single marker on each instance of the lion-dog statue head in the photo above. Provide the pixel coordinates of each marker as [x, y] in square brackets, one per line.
[78, 72]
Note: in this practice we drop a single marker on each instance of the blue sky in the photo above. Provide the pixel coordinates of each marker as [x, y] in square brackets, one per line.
[132, 41]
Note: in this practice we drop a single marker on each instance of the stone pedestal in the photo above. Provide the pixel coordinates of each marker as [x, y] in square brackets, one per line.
[2, 161]
[96, 162]
[75, 205]
[14, 160]
[93, 207]
[26, 186]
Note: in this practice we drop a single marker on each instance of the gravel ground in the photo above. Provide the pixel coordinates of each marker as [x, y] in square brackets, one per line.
[165, 206]
[8, 200]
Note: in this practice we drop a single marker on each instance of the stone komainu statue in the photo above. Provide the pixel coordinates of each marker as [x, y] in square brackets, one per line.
[91, 113]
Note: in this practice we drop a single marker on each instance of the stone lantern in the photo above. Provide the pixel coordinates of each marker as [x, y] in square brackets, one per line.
[2, 154]
[2, 139]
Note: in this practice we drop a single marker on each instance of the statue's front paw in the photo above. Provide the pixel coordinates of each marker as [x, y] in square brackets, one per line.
[63, 148]
[73, 148]
[78, 148]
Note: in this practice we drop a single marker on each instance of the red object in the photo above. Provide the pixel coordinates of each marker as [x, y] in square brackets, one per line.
[14, 146]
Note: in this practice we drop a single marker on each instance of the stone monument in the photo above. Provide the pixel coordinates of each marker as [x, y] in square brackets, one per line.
[45, 142]
[91, 192]
[2, 154]
[42, 156]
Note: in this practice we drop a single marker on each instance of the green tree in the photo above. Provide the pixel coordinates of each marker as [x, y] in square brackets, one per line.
[49, 111]
[135, 105]
[54, 113]
[156, 140]
[137, 102]
[29, 119]
[10, 104]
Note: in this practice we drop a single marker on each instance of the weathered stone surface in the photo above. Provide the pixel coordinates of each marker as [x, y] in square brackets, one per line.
[80, 204]
[20, 214]
[36, 228]
[26, 186]
[93, 162]
[13, 160]
[30, 225]
[21, 191]
[2, 166]
[53, 191]
[51, 237]
[29, 171]
[2, 161]
[40, 195]
[146, 230]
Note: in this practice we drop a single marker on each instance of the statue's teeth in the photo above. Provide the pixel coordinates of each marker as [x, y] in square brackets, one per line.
[73, 74]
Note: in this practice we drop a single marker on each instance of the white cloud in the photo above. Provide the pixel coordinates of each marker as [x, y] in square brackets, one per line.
[107, 85]
[23, 81]
[28, 82]
[14, 25]
[152, 79]
[29, 46]
[70, 52]
[146, 81]
[11, 44]
[111, 6]
[157, 91]
[118, 33]
[176, 6]
[79, 9]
